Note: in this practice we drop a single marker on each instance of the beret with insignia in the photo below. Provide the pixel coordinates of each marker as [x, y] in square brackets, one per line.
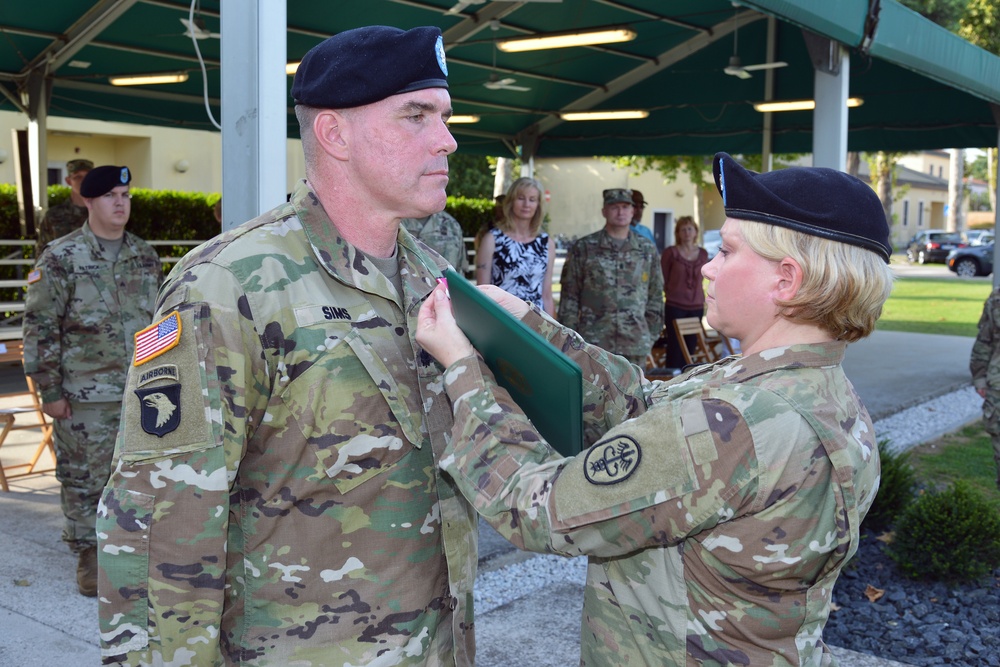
[102, 180]
[366, 65]
[812, 200]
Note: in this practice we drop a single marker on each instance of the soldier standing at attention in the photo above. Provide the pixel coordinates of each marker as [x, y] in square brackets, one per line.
[90, 291]
[70, 215]
[985, 366]
[442, 232]
[612, 286]
[275, 497]
[717, 509]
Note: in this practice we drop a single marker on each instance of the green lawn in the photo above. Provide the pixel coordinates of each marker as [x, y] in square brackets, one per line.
[966, 454]
[935, 306]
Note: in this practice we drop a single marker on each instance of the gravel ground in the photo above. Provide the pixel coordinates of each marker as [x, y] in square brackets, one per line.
[914, 622]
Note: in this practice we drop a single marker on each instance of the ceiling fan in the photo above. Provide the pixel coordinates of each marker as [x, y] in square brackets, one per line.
[507, 83]
[197, 29]
[736, 67]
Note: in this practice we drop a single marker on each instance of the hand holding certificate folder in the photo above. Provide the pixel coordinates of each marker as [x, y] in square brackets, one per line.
[544, 382]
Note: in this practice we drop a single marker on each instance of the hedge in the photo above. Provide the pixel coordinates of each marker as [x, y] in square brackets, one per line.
[167, 214]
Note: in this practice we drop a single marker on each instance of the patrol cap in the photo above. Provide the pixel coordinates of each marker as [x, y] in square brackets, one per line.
[365, 65]
[812, 200]
[615, 195]
[637, 199]
[102, 180]
[74, 166]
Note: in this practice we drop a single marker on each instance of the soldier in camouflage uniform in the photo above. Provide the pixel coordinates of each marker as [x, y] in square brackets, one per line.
[443, 233]
[716, 509]
[985, 366]
[612, 287]
[70, 215]
[275, 498]
[89, 293]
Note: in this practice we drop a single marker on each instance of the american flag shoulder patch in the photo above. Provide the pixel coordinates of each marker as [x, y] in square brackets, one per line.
[157, 338]
[34, 276]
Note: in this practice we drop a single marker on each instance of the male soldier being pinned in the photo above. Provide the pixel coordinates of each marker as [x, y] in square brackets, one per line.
[716, 509]
[442, 232]
[612, 286]
[91, 290]
[69, 215]
[275, 497]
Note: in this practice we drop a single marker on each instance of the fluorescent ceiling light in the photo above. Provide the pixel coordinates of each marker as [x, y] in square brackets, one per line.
[799, 105]
[466, 118]
[149, 79]
[291, 68]
[604, 115]
[563, 40]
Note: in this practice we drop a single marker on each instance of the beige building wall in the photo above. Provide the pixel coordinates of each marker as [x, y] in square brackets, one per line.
[161, 158]
[574, 187]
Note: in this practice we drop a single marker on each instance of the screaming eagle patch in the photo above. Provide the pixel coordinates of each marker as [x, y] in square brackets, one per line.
[160, 409]
[612, 461]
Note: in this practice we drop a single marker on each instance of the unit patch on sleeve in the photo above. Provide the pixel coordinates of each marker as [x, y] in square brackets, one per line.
[612, 461]
[160, 409]
[157, 338]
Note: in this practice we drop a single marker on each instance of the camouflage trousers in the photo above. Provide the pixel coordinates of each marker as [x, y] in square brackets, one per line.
[84, 445]
[991, 424]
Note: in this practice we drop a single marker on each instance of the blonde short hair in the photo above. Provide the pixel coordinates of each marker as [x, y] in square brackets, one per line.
[843, 286]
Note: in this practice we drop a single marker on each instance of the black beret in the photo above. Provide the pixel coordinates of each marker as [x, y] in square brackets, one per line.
[812, 200]
[102, 180]
[365, 65]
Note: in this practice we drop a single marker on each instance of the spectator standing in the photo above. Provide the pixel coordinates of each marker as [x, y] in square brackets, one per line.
[516, 254]
[69, 215]
[442, 233]
[985, 366]
[278, 454]
[638, 206]
[90, 291]
[717, 509]
[683, 285]
[611, 285]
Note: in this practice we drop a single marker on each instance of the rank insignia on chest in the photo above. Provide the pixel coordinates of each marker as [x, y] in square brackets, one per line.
[160, 409]
[34, 276]
[157, 338]
[612, 461]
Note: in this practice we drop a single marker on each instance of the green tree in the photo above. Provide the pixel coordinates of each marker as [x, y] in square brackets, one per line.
[946, 13]
[980, 24]
[470, 176]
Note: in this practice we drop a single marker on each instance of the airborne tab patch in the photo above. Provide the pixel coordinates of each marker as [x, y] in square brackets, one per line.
[157, 338]
[160, 409]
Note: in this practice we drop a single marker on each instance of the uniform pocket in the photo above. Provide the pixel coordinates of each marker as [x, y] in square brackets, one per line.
[123, 572]
[348, 412]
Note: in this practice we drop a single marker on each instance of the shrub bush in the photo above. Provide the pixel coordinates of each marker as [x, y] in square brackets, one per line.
[895, 491]
[951, 535]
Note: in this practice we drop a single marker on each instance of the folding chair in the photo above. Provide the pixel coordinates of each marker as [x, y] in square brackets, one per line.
[33, 405]
[702, 353]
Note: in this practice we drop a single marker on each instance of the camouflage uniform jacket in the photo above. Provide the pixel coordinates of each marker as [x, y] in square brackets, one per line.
[613, 296]
[985, 360]
[59, 221]
[81, 313]
[442, 232]
[295, 515]
[716, 509]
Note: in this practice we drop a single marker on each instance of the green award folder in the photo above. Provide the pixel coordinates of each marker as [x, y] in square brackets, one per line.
[544, 382]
